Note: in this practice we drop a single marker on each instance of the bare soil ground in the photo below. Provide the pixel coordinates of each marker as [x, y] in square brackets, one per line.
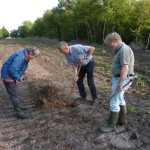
[58, 124]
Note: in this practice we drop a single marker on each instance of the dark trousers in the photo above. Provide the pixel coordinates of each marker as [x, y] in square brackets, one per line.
[12, 91]
[87, 69]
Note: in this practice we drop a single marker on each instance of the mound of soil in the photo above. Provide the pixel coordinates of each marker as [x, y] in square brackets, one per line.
[48, 98]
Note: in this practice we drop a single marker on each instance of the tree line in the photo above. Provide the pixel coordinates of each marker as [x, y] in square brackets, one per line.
[92, 20]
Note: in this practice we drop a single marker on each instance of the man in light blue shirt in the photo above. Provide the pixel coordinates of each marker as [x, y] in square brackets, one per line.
[78, 54]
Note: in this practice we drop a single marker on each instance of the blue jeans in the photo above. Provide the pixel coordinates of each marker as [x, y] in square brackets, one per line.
[118, 99]
[12, 91]
[87, 69]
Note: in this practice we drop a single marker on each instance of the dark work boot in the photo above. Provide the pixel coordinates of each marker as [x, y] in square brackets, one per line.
[94, 102]
[112, 123]
[122, 115]
[82, 99]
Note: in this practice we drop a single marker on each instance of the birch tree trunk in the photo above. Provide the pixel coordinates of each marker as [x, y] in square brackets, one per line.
[104, 31]
[147, 42]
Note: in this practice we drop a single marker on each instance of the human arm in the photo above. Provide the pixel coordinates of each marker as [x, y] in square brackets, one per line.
[75, 73]
[123, 75]
[89, 51]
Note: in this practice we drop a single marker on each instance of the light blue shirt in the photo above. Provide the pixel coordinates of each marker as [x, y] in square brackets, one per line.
[78, 52]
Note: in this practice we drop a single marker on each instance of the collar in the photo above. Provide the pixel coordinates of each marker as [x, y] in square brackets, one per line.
[118, 48]
[25, 51]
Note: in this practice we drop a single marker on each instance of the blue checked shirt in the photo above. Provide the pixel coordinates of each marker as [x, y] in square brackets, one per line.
[78, 52]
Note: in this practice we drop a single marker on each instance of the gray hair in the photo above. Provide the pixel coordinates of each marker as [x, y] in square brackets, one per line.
[112, 37]
[34, 51]
[62, 44]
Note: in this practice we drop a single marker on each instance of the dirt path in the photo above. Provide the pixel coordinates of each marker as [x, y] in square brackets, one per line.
[59, 125]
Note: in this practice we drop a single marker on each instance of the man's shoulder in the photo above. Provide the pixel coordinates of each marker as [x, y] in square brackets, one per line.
[76, 45]
[126, 47]
[20, 52]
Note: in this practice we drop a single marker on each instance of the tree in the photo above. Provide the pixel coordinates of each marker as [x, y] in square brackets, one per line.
[5, 32]
[1, 34]
[14, 33]
[38, 28]
[25, 29]
[141, 28]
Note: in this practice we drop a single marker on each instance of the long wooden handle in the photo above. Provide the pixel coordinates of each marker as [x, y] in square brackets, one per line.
[74, 83]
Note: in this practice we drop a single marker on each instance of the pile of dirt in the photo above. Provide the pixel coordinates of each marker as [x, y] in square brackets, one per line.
[48, 98]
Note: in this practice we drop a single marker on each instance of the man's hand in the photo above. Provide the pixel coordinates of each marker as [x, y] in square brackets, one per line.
[83, 61]
[119, 89]
[76, 78]
[21, 79]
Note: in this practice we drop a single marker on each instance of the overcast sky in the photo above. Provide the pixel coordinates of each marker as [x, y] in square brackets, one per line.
[14, 12]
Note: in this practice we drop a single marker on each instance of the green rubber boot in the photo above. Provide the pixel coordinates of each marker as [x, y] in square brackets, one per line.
[23, 107]
[22, 115]
[20, 108]
[112, 123]
[122, 115]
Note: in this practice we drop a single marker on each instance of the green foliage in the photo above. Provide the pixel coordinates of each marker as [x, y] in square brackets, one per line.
[93, 20]
[38, 28]
[32, 114]
[25, 29]
[140, 82]
[44, 116]
[142, 20]
[132, 109]
[103, 51]
[5, 32]
[14, 33]
[1, 34]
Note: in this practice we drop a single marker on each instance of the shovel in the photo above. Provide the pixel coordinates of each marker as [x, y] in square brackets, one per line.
[74, 83]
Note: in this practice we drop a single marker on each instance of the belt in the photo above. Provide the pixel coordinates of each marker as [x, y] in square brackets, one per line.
[118, 75]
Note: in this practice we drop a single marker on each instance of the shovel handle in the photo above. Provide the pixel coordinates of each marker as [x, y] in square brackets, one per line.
[99, 106]
[74, 83]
